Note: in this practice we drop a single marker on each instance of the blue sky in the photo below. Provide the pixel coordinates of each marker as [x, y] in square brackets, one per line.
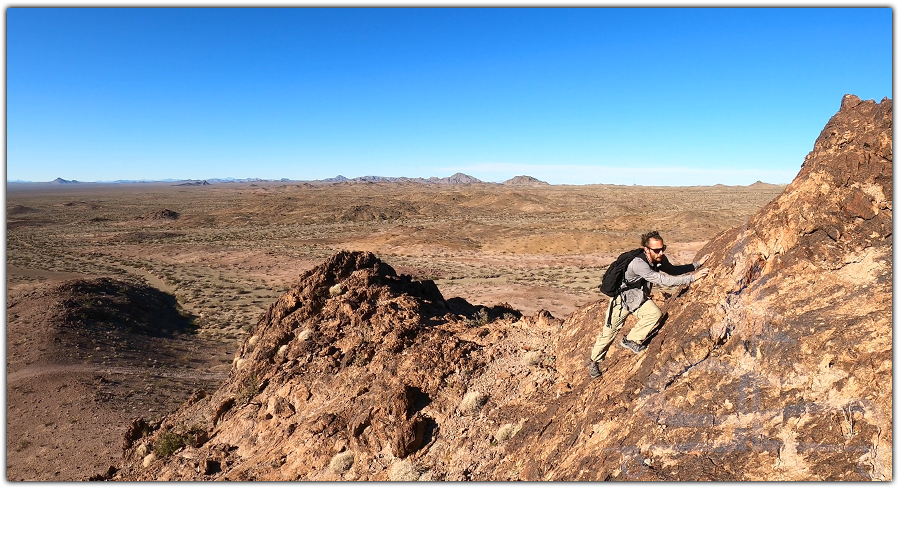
[590, 95]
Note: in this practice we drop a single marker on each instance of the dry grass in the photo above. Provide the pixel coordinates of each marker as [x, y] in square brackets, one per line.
[341, 462]
[507, 431]
[403, 471]
[531, 358]
[472, 403]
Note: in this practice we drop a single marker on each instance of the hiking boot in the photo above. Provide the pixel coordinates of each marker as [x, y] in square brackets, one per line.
[635, 348]
[594, 369]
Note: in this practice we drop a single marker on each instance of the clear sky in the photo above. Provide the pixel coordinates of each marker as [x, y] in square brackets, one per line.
[589, 95]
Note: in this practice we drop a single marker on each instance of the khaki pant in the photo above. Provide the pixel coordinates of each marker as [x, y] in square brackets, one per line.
[648, 316]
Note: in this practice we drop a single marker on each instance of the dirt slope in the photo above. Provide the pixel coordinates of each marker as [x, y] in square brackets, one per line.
[777, 366]
[83, 357]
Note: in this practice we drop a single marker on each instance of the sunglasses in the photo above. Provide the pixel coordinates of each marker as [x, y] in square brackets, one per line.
[657, 250]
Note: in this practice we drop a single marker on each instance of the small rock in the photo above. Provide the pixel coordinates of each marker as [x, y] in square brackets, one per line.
[141, 451]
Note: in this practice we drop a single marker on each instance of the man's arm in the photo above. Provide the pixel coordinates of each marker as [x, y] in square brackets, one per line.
[642, 269]
[667, 267]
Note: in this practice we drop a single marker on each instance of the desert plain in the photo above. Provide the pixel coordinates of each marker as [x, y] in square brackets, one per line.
[225, 252]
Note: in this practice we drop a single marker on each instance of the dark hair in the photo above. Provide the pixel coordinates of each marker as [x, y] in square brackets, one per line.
[645, 238]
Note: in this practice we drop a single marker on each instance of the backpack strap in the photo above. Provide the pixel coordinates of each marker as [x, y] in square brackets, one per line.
[625, 286]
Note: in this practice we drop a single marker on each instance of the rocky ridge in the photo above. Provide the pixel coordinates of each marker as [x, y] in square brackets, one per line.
[776, 366]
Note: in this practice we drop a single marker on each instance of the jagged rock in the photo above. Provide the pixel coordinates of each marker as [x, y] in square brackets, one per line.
[135, 431]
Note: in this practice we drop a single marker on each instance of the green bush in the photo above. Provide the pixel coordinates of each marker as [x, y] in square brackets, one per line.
[480, 318]
[168, 443]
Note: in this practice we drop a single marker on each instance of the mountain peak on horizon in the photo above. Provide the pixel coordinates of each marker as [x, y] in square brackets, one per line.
[525, 180]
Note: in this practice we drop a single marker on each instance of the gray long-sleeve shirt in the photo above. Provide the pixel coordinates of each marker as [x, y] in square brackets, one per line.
[663, 274]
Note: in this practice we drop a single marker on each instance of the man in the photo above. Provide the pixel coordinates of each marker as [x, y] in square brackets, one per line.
[649, 267]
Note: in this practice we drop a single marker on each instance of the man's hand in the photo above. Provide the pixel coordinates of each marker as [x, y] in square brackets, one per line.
[700, 273]
[701, 261]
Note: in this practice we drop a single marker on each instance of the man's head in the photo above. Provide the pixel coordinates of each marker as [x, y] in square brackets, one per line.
[653, 245]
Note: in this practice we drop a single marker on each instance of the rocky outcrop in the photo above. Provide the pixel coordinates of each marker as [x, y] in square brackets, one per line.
[776, 366]
[353, 359]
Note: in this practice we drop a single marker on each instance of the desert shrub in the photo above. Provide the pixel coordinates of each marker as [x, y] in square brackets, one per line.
[365, 332]
[472, 403]
[480, 318]
[531, 358]
[427, 476]
[168, 443]
[403, 471]
[341, 462]
[507, 431]
[360, 359]
[195, 436]
[336, 290]
[249, 388]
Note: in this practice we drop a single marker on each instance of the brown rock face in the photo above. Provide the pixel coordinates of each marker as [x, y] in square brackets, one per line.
[776, 366]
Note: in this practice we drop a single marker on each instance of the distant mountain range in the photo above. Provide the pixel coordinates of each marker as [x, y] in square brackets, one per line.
[458, 178]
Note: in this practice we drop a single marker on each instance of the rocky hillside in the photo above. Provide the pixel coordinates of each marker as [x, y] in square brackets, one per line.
[776, 366]
[95, 319]
[525, 180]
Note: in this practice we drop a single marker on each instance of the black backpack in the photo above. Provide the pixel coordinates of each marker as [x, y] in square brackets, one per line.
[615, 273]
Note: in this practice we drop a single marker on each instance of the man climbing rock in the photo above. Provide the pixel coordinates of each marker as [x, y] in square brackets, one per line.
[630, 293]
